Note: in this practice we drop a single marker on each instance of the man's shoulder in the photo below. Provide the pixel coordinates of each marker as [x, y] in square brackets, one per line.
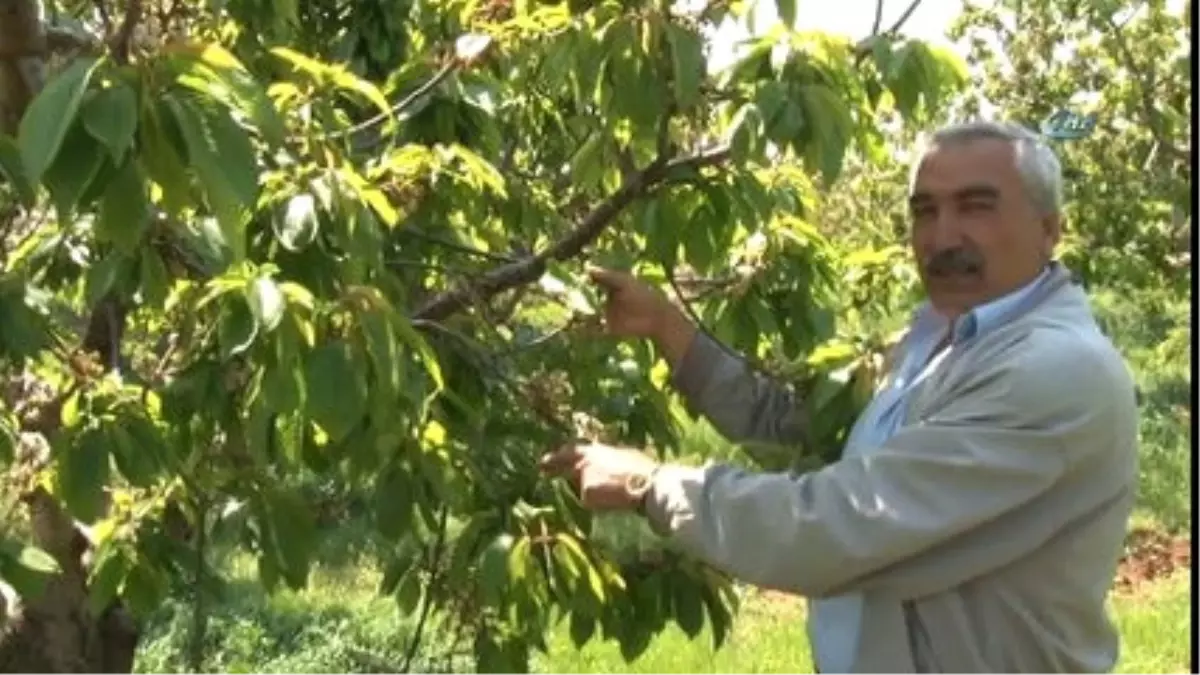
[1060, 365]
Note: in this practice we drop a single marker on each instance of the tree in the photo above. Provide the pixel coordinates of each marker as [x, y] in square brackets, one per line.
[1128, 63]
[233, 266]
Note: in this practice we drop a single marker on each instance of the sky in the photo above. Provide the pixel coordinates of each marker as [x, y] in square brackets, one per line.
[852, 18]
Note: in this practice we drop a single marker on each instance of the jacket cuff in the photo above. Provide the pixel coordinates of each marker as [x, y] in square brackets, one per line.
[667, 505]
[694, 371]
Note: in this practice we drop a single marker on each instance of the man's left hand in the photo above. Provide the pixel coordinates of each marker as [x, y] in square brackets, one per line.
[605, 476]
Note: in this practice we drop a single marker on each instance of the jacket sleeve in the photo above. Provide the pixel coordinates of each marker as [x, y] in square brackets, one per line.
[744, 406]
[1000, 438]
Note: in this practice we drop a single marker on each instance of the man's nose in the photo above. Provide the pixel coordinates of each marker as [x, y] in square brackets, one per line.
[947, 232]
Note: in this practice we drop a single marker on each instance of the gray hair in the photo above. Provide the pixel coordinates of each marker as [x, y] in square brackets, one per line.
[1038, 165]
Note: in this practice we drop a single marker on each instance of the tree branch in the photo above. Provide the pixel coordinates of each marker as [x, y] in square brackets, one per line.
[123, 39]
[530, 268]
[912, 7]
[878, 23]
[404, 104]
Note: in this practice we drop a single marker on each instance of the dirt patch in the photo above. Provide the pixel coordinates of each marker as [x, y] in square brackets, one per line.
[1150, 555]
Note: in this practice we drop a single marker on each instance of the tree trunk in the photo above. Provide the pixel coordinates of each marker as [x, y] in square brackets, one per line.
[55, 631]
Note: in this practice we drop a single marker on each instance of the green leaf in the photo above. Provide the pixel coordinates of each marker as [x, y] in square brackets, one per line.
[394, 501]
[295, 534]
[108, 574]
[83, 468]
[746, 137]
[347, 80]
[832, 129]
[137, 463]
[266, 302]
[125, 210]
[73, 171]
[29, 583]
[409, 592]
[237, 327]
[51, 113]
[153, 449]
[493, 568]
[337, 399]
[687, 61]
[102, 276]
[297, 227]
[216, 72]
[224, 160]
[471, 46]
[153, 276]
[144, 588]
[111, 117]
[583, 627]
[283, 388]
[8, 441]
[787, 12]
[14, 171]
[661, 222]
[162, 151]
[689, 609]
[35, 559]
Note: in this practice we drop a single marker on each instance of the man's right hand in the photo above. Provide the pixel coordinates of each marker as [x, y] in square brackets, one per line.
[635, 310]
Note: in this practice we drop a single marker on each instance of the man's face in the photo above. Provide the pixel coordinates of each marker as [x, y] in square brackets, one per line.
[976, 234]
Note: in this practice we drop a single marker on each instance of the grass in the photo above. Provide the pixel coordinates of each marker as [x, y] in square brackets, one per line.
[340, 625]
[769, 637]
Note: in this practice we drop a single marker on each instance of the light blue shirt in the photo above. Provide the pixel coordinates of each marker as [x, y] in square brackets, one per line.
[835, 621]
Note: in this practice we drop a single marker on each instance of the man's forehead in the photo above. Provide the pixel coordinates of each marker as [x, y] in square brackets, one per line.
[965, 165]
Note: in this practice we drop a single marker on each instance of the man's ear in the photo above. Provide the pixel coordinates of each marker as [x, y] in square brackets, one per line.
[1052, 226]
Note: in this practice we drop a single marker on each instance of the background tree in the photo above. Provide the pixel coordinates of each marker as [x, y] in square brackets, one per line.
[1129, 219]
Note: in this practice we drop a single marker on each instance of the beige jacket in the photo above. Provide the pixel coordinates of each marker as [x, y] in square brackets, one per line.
[984, 536]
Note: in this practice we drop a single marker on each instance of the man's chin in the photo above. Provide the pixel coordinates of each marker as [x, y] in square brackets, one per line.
[954, 294]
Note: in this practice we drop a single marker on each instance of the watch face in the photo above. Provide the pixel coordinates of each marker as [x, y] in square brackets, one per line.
[638, 483]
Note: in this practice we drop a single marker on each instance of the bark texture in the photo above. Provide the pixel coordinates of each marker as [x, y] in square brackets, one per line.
[55, 631]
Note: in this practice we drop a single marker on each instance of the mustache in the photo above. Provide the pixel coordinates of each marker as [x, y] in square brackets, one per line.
[954, 261]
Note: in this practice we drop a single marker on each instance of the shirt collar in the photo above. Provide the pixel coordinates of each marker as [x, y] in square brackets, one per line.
[982, 318]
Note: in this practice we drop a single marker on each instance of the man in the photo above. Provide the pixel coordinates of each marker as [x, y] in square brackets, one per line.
[975, 519]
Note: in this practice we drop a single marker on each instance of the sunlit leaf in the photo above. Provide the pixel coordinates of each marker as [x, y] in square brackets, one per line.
[266, 302]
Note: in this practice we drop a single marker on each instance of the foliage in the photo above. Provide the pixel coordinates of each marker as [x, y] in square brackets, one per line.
[310, 241]
[1129, 182]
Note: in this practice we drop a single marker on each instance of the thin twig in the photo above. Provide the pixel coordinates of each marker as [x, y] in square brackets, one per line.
[878, 18]
[455, 246]
[414, 643]
[529, 269]
[404, 104]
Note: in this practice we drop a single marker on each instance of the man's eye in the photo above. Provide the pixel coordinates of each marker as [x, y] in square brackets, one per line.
[977, 207]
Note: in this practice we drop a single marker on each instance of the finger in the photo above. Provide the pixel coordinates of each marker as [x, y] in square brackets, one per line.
[560, 461]
[608, 279]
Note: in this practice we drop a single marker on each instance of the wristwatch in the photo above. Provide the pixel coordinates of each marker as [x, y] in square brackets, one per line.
[639, 485]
